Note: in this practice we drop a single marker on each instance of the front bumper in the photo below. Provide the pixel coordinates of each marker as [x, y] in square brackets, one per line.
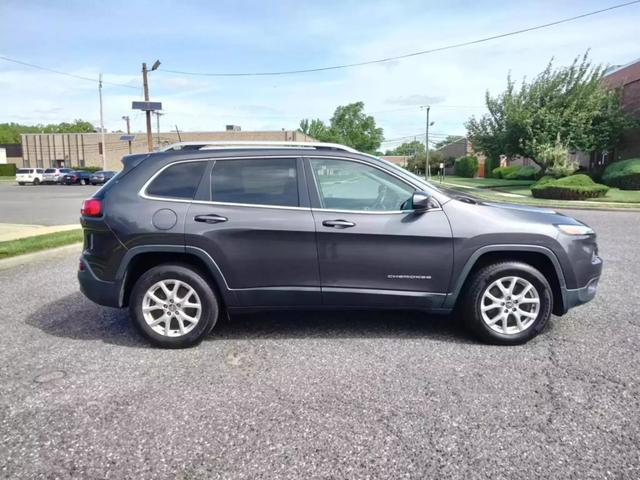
[99, 291]
[579, 296]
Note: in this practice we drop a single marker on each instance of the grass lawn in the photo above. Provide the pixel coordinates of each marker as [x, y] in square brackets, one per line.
[21, 246]
[517, 191]
[7, 179]
[482, 182]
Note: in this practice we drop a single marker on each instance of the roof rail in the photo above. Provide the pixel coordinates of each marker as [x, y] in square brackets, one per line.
[212, 145]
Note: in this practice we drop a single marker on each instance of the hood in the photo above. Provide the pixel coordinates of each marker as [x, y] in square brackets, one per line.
[522, 208]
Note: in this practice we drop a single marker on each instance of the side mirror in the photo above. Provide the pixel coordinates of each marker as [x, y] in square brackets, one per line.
[422, 201]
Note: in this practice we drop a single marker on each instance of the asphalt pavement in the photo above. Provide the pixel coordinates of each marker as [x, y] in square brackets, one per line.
[317, 394]
[42, 204]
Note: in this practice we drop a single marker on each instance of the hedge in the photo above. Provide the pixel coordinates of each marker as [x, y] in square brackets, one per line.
[502, 172]
[88, 169]
[7, 169]
[624, 174]
[466, 166]
[515, 172]
[574, 187]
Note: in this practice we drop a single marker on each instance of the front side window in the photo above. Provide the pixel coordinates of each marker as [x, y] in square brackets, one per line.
[178, 181]
[347, 185]
[266, 181]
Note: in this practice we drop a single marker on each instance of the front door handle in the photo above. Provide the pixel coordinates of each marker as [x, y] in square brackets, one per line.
[210, 218]
[338, 223]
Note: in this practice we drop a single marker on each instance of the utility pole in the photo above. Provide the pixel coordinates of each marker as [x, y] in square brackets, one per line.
[104, 145]
[427, 169]
[158, 115]
[145, 84]
[178, 132]
[126, 119]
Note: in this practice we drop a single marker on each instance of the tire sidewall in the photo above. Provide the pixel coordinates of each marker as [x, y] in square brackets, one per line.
[505, 270]
[193, 278]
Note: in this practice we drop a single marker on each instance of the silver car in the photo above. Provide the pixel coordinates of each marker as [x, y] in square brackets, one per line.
[54, 175]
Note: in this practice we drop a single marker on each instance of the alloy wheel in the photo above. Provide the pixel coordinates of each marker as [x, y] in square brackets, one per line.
[510, 305]
[171, 308]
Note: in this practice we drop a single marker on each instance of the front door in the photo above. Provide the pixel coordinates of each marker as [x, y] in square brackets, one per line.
[254, 224]
[372, 250]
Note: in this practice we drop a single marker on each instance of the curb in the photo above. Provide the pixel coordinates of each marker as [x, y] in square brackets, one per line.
[46, 254]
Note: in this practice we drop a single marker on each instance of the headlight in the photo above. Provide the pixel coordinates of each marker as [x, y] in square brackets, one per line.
[575, 229]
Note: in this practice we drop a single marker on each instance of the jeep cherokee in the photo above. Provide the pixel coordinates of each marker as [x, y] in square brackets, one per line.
[183, 235]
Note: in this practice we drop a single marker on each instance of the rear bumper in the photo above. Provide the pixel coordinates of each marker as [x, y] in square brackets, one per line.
[99, 291]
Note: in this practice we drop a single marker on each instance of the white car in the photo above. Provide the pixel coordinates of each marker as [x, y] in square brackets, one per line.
[29, 175]
[54, 175]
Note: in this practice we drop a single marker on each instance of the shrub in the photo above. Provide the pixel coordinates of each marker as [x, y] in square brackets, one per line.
[502, 172]
[575, 187]
[7, 169]
[466, 166]
[624, 174]
[528, 172]
[88, 169]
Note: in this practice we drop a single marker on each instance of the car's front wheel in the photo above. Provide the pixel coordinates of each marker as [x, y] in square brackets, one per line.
[507, 303]
[36, 181]
[173, 306]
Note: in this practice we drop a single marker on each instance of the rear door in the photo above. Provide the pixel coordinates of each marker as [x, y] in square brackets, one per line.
[252, 217]
[372, 250]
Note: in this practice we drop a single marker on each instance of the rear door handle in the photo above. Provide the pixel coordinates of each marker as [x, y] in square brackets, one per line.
[210, 218]
[338, 223]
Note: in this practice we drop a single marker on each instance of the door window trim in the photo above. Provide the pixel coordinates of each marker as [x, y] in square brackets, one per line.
[143, 191]
[370, 212]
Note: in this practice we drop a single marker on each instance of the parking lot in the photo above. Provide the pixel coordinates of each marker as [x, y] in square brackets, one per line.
[42, 204]
[317, 394]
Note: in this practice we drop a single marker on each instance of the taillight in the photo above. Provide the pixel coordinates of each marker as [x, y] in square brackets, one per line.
[91, 207]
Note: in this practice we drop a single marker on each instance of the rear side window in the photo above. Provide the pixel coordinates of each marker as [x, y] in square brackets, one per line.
[178, 181]
[22, 171]
[270, 181]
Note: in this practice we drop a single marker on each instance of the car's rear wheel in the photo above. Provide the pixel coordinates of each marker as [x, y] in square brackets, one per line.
[36, 181]
[507, 303]
[173, 306]
[21, 183]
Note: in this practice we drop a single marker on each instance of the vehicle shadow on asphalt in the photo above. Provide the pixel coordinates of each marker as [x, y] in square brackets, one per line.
[77, 318]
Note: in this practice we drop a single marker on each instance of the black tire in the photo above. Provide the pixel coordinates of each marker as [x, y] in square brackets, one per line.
[189, 275]
[36, 181]
[21, 183]
[478, 284]
[93, 183]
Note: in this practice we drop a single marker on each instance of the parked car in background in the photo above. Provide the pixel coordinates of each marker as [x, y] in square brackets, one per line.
[29, 175]
[101, 177]
[54, 175]
[77, 177]
[181, 237]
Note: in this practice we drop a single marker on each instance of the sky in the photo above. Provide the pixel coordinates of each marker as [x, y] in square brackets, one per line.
[87, 37]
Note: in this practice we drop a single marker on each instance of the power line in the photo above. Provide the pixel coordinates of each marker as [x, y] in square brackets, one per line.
[407, 55]
[72, 75]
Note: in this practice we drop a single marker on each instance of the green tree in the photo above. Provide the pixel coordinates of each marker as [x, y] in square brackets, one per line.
[408, 148]
[10, 132]
[350, 126]
[569, 106]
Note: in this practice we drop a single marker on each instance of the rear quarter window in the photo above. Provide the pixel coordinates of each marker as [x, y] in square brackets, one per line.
[180, 180]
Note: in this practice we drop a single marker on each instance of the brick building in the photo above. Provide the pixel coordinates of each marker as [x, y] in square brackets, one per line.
[627, 79]
[85, 149]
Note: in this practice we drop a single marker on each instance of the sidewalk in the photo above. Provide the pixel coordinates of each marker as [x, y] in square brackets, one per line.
[14, 231]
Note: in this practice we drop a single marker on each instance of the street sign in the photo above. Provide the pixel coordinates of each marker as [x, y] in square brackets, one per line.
[146, 106]
[127, 138]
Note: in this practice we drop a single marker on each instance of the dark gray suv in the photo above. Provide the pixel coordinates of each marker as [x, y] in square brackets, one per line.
[181, 236]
